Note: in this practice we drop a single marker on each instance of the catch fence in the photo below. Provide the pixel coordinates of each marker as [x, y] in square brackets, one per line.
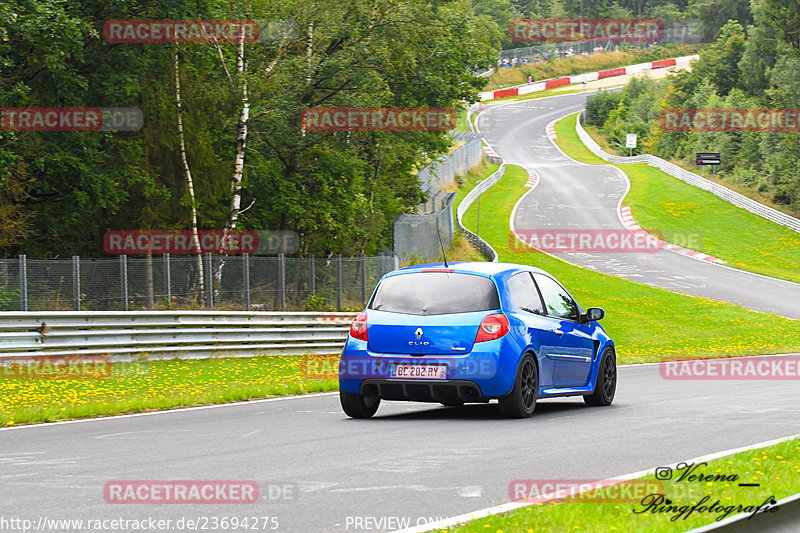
[415, 237]
[689, 31]
[242, 282]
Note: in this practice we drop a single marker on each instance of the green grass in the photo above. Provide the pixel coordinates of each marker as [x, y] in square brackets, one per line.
[468, 182]
[571, 144]
[648, 324]
[774, 468]
[461, 120]
[694, 218]
[154, 385]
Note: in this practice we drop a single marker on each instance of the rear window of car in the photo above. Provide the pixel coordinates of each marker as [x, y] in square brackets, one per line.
[435, 293]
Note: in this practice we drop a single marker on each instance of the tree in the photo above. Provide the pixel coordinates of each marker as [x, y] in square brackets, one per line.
[720, 63]
[780, 16]
[714, 14]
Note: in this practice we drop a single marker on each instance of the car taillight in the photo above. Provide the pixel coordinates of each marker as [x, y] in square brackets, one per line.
[358, 329]
[492, 327]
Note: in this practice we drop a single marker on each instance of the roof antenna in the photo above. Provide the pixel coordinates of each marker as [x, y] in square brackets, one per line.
[442, 245]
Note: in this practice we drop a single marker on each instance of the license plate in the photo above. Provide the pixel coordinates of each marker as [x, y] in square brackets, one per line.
[418, 371]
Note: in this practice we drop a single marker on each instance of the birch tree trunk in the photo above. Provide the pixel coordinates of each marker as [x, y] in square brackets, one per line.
[235, 204]
[187, 173]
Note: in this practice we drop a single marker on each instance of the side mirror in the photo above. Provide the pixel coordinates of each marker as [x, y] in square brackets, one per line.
[593, 313]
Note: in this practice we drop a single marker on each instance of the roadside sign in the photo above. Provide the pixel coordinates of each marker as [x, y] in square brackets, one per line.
[708, 158]
[630, 140]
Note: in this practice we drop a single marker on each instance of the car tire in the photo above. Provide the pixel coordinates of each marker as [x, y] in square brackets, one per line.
[522, 400]
[606, 385]
[358, 406]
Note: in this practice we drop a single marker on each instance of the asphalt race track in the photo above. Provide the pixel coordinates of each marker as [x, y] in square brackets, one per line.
[573, 196]
[417, 461]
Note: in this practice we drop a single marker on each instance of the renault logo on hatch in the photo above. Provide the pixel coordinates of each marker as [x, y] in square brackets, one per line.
[418, 342]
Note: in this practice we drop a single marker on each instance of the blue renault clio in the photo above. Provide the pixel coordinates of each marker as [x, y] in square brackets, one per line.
[474, 332]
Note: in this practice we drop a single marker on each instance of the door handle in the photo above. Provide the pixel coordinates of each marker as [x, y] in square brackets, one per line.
[559, 332]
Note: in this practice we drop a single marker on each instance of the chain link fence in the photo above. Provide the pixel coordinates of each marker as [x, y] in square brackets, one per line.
[415, 237]
[443, 171]
[689, 31]
[190, 282]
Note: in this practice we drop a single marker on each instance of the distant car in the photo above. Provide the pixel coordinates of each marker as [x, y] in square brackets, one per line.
[473, 332]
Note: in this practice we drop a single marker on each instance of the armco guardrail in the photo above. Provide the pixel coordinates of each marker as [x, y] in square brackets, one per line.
[482, 246]
[691, 178]
[169, 334]
[479, 189]
[543, 85]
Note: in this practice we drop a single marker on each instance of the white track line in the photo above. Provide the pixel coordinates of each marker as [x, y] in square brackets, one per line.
[168, 411]
[511, 506]
[628, 222]
[264, 400]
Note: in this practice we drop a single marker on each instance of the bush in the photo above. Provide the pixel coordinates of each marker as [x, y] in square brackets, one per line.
[316, 302]
[745, 176]
[784, 195]
[600, 105]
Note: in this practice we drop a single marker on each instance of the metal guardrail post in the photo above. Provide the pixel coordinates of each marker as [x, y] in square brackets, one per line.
[76, 281]
[339, 282]
[313, 275]
[282, 279]
[123, 274]
[363, 279]
[210, 282]
[246, 274]
[23, 282]
[168, 279]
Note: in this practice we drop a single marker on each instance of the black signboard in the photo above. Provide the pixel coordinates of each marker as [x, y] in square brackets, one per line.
[708, 158]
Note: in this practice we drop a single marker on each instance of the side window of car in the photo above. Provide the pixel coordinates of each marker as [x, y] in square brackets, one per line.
[558, 302]
[524, 293]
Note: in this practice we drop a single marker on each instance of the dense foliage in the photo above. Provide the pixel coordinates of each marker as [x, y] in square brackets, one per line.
[712, 14]
[60, 191]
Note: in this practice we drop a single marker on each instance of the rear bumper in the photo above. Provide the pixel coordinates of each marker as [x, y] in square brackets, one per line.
[423, 391]
[486, 372]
